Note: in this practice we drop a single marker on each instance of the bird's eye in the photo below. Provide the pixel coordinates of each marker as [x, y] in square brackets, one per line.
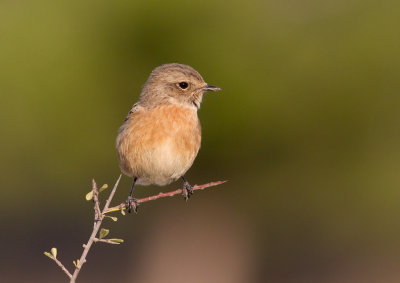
[183, 85]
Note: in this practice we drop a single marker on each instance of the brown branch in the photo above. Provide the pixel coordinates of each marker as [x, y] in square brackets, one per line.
[122, 206]
[99, 216]
[96, 201]
[96, 227]
[60, 265]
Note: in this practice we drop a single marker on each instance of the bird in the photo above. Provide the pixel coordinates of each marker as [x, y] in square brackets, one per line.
[161, 135]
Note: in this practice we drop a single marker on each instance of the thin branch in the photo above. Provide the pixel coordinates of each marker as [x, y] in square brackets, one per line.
[96, 201]
[111, 196]
[61, 265]
[99, 216]
[96, 228]
[122, 206]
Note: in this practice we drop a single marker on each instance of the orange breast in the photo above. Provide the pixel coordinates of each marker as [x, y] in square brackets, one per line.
[159, 145]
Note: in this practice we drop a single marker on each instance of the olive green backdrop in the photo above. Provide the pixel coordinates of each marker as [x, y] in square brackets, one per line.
[306, 130]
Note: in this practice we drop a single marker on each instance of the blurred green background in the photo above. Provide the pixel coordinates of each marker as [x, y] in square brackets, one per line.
[306, 130]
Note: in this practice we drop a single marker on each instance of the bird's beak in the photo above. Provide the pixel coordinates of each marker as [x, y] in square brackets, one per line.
[210, 88]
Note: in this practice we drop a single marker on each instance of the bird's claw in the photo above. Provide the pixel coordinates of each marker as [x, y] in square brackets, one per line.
[187, 190]
[131, 204]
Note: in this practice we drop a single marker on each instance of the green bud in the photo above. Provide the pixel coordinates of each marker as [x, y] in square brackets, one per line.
[104, 232]
[54, 252]
[89, 195]
[105, 186]
[113, 218]
[116, 240]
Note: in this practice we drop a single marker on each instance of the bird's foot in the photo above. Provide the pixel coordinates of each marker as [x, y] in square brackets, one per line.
[187, 190]
[131, 204]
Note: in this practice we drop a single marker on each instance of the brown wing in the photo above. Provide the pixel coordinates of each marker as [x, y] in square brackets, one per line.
[133, 109]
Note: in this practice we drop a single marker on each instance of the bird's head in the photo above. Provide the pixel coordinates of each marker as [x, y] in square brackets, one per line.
[176, 84]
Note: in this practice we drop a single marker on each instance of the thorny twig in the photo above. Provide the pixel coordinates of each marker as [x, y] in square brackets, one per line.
[99, 216]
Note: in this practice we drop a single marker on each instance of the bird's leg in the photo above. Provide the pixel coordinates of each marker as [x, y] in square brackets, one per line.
[130, 200]
[187, 190]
